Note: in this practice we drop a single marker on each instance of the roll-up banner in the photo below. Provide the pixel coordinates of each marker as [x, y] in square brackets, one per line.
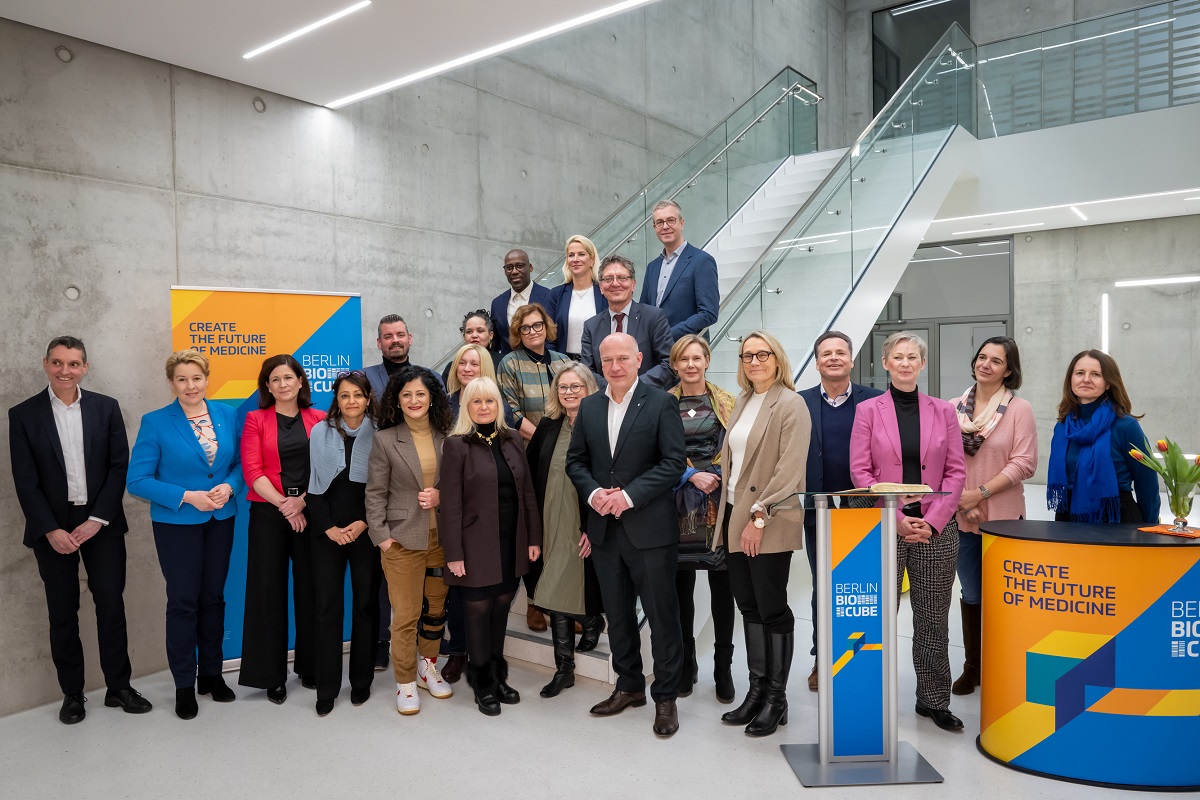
[237, 329]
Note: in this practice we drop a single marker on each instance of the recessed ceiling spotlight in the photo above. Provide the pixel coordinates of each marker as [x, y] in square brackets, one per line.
[307, 29]
[64, 54]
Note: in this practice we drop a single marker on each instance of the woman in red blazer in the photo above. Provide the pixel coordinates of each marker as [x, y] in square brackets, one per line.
[904, 436]
[275, 464]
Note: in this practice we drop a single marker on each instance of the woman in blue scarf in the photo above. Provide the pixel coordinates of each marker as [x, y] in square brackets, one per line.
[1092, 477]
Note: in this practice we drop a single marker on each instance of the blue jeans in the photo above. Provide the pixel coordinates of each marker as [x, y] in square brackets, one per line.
[970, 567]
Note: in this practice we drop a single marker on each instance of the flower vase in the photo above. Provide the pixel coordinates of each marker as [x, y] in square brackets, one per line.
[1180, 501]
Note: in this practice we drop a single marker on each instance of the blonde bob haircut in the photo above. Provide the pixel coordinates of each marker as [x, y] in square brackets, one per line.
[486, 367]
[186, 357]
[591, 250]
[686, 341]
[783, 367]
[481, 387]
[898, 337]
[514, 330]
[554, 409]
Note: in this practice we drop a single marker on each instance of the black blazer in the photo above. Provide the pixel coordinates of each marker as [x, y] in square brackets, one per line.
[648, 461]
[648, 325]
[40, 473]
[815, 470]
[539, 452]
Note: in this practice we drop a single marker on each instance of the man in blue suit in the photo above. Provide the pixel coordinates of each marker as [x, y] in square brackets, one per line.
[831, 404]
[682, 281]
[518, 271]
[70, 455]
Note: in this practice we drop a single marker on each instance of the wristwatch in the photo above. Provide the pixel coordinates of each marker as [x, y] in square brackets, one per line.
[983, 490]
[760, 520]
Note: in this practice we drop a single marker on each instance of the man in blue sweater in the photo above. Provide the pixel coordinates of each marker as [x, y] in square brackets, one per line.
[831, 404]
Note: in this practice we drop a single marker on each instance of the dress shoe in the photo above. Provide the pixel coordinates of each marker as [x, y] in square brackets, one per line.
[593, 626]
[535, 619]
[324, 707]
[481, 680]
[452, 670]
[185, 703]
[128, 700]
[215, 685]
[382, 655]
[504, 693]
[360, 696]
[578, 627]
[72, 710]
[617, 702]
[277, 695]
[812, 679]
[308, 681]
[941, 717]
[666, 718]
[723, 672]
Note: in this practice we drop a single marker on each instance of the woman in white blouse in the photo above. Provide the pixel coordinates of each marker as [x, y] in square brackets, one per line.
[578, 298]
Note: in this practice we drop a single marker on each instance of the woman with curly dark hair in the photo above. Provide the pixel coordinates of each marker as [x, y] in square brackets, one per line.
[402, 521]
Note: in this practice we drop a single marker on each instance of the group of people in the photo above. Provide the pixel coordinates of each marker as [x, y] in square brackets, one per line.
[573, 442]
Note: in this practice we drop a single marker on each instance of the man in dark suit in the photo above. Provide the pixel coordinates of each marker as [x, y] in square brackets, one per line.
[646, 324]
[518, 271]
[626, 454]
[831, 404]
[682, 281]
[69, 458]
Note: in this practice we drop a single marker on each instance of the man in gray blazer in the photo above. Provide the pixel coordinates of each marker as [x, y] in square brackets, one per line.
[646, 324]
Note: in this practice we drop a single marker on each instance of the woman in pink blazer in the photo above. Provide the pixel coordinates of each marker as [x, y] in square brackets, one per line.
[903, 436]
[275, 464]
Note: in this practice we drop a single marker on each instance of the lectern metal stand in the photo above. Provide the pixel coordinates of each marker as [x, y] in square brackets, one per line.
[858, 734]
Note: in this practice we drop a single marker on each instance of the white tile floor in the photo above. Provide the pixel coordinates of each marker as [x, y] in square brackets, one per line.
[537, 749]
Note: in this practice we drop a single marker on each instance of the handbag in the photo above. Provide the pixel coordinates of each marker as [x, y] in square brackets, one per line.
[697, 523]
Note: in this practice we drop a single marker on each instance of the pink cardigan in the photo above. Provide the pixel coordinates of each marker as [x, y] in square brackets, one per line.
[1011, 450]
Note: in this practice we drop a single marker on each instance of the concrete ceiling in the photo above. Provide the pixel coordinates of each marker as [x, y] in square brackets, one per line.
[382, 42]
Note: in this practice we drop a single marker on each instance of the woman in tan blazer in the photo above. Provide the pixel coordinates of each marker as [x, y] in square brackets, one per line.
[764, 457]
[402, 522]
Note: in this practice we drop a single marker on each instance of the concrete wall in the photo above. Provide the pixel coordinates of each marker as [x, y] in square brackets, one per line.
[1058, 278]
[121, 176]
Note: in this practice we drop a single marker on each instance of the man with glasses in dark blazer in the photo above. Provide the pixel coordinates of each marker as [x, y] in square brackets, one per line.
[69, 458]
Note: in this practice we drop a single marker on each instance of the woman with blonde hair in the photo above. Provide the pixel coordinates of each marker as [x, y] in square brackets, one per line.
[705, 409]
[764, 457]
[491, 532]
[568, 588]
[578, 298]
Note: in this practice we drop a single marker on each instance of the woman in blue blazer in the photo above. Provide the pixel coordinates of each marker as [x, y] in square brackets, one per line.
[187, 463]
[577, 299]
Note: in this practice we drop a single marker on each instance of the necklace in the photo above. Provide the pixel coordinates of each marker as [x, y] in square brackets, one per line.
[488, 438]
[581, 293]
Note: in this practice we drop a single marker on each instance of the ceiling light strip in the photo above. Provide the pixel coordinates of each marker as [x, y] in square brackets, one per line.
[1079, 213]
[1157, 281]
[918, 6]
[1005, 228]
[308, 29]
[487, 52]
[1067, 205]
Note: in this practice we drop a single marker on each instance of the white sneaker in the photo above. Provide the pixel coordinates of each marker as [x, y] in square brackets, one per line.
[407, 701]
[430, 679]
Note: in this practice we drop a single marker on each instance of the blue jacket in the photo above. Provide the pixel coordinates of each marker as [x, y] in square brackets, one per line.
[693, 296]
[167, 461]
[539, 294]
[559, 307]
[815, 470]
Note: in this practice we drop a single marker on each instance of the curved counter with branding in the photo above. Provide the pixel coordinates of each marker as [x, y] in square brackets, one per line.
[1091, 653]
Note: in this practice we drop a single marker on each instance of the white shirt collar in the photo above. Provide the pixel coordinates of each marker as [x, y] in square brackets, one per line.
[72, 404]
[628, 394]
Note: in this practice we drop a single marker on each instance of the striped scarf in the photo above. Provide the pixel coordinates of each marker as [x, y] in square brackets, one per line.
[975, 431]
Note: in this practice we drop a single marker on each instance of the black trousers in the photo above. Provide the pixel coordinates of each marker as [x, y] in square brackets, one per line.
[626, 573]
[103, 557]
[721, 603]
[272, 544]
[195, 562]
[329, 563]
[760, 587]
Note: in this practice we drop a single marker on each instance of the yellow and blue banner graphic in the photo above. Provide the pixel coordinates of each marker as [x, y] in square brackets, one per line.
[1091, 661]
[237, 329]
[859, 672]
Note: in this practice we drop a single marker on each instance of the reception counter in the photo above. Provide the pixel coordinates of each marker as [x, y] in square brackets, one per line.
[1091, 653]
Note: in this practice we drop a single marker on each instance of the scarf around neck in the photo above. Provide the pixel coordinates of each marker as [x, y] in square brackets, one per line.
[975, 431]
[329, 454]
[1092, 490]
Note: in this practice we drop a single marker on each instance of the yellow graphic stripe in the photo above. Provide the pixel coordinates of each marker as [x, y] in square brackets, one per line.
[1178, 703]
[1070, 644]
[1129, 702]
[1017, 731]
[850, 527]
[843, 661]
[235, 390]
[184, 302]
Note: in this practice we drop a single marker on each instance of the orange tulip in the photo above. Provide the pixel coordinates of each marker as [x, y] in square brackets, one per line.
[1162, 445]
[1137, 454]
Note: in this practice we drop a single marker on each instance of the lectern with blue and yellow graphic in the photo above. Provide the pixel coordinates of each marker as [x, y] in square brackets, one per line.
[858, 742]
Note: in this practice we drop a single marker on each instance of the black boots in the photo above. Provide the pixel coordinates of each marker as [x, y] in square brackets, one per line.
[691, 670]
[484, 684]
[756, 661]
[563, 630]
[215, 685]
[774, 711]
[971, 622]
[504, 693]
[593, 626]
[185, 703]
[723, 672]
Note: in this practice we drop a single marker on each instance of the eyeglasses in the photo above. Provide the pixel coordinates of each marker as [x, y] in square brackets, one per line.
[536, 327]
[570, 388]
[516, 266]
[666, 222]
[357, 372]
[608, 280]
[761, 356]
